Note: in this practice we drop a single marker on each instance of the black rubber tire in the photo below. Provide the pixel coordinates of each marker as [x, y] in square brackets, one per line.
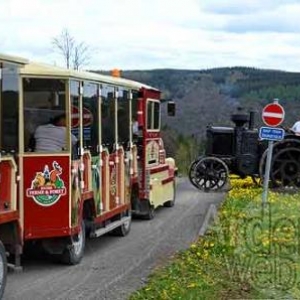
[3, 269]
[171, 203]
[124, 229]
[74, 249]
[149, 215]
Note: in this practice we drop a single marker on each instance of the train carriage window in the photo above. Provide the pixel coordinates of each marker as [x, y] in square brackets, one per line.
[156, 114]
[90, 117]
[135, 99]
[123, 118]
[136, 126]
[153, 115]
[9, 108]
[44, 104]
[149, 115]
[74, 93]
[108, 117]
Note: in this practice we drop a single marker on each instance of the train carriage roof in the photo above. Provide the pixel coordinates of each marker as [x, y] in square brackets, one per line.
[13, 59]
[43, 70]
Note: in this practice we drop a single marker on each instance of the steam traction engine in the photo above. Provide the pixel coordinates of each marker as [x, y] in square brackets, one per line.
[238, 150]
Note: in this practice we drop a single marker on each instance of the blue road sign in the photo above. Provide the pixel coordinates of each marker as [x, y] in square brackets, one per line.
[271, 133]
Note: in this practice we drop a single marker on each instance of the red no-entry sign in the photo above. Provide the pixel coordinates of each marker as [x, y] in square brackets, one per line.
[87, 118]
[273, 114]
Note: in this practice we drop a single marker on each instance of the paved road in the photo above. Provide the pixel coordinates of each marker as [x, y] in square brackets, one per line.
[114, 267]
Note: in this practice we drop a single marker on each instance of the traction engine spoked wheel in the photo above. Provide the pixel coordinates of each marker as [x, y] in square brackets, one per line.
[286, 168]
[211, 174]
[193, 172]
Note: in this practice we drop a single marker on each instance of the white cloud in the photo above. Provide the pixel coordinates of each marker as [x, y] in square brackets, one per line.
[237, 7]
[281, 19]
[190, 34]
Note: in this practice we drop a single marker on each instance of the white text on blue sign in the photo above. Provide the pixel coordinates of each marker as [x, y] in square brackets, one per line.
[271, 134]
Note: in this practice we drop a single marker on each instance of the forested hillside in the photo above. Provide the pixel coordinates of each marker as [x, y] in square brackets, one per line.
[210, 97]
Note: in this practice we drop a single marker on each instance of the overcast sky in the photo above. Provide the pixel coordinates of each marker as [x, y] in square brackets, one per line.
[148, 34]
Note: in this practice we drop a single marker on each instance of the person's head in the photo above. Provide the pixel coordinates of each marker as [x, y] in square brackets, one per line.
[59, 120]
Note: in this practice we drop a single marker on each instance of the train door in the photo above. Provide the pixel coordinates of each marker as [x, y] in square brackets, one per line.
[85, 179]
[90, 114]
[108, 146]
[45, 162]
[124, 141]
[115, 138]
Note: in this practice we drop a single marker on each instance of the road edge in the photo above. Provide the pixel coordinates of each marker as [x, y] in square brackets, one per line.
[210, 217]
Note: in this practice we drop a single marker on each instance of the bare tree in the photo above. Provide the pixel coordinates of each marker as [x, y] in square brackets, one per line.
[64, 43]
[75, 54]
[81, 55]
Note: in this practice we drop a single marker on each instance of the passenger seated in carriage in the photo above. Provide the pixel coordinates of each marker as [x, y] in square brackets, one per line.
[52, 137]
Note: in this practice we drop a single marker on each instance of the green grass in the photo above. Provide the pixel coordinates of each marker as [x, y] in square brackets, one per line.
[250, 252]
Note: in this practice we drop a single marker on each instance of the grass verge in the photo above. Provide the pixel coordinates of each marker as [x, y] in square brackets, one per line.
[251, 252]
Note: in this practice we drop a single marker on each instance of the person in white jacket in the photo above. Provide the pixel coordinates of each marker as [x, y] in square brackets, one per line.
[52, 137]
[296, 128]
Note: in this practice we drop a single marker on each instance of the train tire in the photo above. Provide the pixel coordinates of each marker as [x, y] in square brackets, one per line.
[3, 269]
[171, 202]
[124, 229]
[74, 249]
[150, 213]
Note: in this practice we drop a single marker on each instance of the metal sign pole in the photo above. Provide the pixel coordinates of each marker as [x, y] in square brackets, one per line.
[267, 173]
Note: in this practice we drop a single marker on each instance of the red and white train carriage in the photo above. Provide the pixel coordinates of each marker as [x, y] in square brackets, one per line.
[91, 187]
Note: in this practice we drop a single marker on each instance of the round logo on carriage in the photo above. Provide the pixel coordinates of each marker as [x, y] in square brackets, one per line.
[47, 187]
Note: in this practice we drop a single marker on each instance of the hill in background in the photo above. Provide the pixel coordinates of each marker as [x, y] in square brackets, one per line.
[210, 96]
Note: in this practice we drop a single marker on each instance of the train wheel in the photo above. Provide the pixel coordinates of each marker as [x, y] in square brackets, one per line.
[124, 229]
[211, 174]
[3, 269]
[171, 203]
[74, 250]
[285, 169]
[149, 215]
